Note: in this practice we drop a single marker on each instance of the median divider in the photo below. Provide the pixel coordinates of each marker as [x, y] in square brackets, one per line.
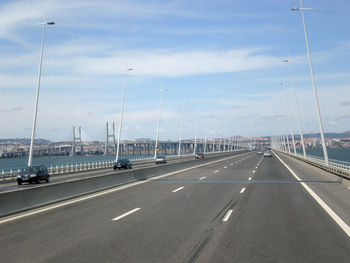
[21, 200]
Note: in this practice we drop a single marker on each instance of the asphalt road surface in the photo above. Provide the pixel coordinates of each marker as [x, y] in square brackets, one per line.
[245, 208]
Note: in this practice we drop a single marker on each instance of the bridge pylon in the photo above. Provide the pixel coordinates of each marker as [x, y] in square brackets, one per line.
[110, 135]
[76, 141]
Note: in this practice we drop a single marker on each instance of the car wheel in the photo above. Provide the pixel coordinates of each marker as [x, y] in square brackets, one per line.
[19, 182]
[37, 180]
[118, 168]
[47, 179]
[115, 168]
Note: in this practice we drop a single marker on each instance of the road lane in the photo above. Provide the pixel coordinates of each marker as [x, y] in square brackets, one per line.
[334, 194]
[56, 178]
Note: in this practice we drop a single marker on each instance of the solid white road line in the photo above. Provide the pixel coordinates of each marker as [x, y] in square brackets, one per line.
[242, 191]
[126, 214]
[249, 179]
[202, 178]
[225, 167]
[117, 188]
[178, 189]
[332, 214]
[227, 216]
[216, 171]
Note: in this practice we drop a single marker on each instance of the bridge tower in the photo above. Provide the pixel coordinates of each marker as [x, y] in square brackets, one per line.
[110, 135]
[76, 141]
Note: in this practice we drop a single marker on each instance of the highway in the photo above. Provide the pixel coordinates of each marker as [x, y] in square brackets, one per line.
[244, 208]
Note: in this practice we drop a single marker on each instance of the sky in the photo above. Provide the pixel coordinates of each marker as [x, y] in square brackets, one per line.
[223, 57]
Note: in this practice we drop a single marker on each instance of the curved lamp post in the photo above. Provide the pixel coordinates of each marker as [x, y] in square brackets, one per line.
[121, 115]
[301, 9]
[30, 159]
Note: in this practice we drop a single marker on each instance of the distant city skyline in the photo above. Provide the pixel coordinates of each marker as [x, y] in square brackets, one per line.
[224, 57]
[342, 135]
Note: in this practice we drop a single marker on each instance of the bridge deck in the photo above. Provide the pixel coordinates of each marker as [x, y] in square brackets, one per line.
[243, 209]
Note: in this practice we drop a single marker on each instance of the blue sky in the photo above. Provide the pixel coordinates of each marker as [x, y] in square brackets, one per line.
[224, 57]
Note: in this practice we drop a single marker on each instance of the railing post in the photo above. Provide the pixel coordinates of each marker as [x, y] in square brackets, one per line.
[3, 175]
[56, 172]
[62, 169]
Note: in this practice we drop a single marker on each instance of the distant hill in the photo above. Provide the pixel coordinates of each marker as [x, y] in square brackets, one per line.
[24, 141]
[326, 135]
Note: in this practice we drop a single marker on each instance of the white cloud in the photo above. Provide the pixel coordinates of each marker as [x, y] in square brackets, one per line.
[166, 63]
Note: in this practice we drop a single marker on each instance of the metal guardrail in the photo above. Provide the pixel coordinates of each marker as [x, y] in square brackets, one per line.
[8, 176]
[340, 168]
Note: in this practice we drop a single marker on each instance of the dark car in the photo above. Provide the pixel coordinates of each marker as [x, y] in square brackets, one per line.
[122, 163]
[33, 174]
[199, 156]
[161, 159]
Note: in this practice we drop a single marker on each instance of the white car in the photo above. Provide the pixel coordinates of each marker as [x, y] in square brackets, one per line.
[161, 159]
[268, 154]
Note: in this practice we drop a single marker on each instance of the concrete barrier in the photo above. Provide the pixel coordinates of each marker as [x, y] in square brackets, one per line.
[26, 199]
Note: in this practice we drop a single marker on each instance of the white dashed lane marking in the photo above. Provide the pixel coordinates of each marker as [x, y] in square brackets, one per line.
[227, 216]
[126, 214]
[178, 189]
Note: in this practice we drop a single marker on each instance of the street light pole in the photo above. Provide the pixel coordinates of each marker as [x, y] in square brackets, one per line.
[313, 83]
[121, 115]
[296, 104]
[30, 159]
[224, 144]
[290, 124]
[282, 123]
[160, 114]
[213, 146]
[182, 118]
[283, 139]
[196, 131]
[290, 127]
